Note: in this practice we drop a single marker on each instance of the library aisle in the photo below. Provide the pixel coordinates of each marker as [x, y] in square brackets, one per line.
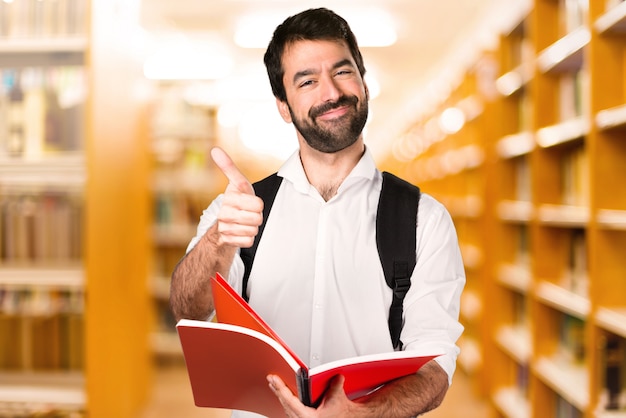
[172, 397]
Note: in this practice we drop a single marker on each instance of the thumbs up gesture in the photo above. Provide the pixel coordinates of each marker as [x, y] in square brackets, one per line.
[242, 211]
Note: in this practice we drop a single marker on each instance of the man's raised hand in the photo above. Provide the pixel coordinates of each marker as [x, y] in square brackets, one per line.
[242, 211]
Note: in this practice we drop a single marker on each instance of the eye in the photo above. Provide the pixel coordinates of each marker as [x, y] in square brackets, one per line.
[344, 71]
[306, 83]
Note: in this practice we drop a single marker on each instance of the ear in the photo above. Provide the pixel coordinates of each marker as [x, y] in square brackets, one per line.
[367, 90]
[283, 109]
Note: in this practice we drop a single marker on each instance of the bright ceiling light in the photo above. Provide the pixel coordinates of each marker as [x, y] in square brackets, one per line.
[451, 120]
[372, 27]
[184, 59]
[255, 31]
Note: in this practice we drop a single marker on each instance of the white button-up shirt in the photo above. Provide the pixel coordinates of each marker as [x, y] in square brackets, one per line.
[317, 279]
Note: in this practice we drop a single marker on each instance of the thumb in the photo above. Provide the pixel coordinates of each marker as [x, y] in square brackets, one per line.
[336, 387]
[230, 170]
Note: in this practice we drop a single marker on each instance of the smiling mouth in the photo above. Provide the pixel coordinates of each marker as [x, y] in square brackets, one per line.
[334, 110]
[334, 113]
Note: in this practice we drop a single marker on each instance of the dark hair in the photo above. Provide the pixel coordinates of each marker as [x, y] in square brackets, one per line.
[312, 24]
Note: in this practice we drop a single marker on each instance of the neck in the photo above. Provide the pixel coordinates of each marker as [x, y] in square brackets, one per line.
[325, 171]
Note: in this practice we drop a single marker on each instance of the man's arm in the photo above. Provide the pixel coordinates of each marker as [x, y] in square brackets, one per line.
[190, 290]
[237, 224]
[406, 397]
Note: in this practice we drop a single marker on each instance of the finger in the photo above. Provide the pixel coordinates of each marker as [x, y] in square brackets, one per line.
[336, 386]
[242, 208]
[230, 170]
[290, 402]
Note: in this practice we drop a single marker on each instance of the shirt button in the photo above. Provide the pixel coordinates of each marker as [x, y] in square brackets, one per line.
[318, 306]
[316, 357]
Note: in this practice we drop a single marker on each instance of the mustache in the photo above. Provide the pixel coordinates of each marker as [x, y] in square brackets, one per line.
[342, 101]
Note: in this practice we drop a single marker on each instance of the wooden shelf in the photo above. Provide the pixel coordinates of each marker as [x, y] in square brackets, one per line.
[42, 278]
[516, 211]
[614, 117]
[469, 207]
[566, 54]
[552, 219]
[61, 171]
[515, 80]
[471, 360]
[57, 45]
[105, 175]
[562, 133]
[512, 403]
[613, 21]
[568, 380]
[516, 341]
[173, 235]
[160, 287]
[471, 306]
[611, 219]
[517, 278]
[610, 414]
[563, 300]
[472, 256]
[516, 145]
[40, 392]
[166, 344]
[612, 319]
[563, 215]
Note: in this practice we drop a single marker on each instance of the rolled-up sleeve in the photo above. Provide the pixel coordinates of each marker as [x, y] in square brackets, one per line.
[431, 306]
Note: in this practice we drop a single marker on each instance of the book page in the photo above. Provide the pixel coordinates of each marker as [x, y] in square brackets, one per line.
[228, 366]
[365, 373]
[231, 308]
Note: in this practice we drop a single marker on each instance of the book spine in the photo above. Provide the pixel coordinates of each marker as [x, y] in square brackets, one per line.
[304, 387]
[614, 357]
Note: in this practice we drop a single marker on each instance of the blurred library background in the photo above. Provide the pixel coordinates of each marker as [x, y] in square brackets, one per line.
[512, 113]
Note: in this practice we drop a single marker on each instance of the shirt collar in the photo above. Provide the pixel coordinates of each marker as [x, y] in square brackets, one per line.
[293, 171]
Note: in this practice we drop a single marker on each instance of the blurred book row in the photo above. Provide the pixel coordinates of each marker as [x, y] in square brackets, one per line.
[42, 18]
[41, 110]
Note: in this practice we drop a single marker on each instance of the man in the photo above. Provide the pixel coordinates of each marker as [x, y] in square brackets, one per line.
[317, 278]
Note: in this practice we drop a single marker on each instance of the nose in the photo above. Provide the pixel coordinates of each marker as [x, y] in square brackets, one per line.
[329, 89]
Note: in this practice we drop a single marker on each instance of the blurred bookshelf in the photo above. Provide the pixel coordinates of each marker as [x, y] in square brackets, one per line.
[61, 286]
[184, 182]
[544, 309]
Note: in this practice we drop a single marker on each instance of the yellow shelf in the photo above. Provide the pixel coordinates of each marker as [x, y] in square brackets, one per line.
[568, 380]
[612, 319]
[614, 117]
[563, 300]
[512, 403]
[516, 145]
[516, 211]
[36, 393]
[611, 219]
[517, 278]
[563, 133]
[71, 278]
[563, 215]
[102, 186]
[549, 206]
[516, 341]
[565, 54]
[613, 21]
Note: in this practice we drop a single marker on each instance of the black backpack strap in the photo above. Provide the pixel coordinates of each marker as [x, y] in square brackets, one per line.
[396, 221]
[266, 189]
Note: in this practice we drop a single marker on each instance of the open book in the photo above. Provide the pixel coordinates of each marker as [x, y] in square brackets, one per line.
[228, 361]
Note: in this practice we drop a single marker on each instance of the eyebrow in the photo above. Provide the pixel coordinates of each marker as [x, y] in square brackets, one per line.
[308, 72]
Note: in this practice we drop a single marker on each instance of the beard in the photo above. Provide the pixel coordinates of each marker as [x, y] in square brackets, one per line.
[341, 133]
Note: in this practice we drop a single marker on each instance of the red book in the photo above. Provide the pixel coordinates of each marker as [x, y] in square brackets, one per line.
[228, 361]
